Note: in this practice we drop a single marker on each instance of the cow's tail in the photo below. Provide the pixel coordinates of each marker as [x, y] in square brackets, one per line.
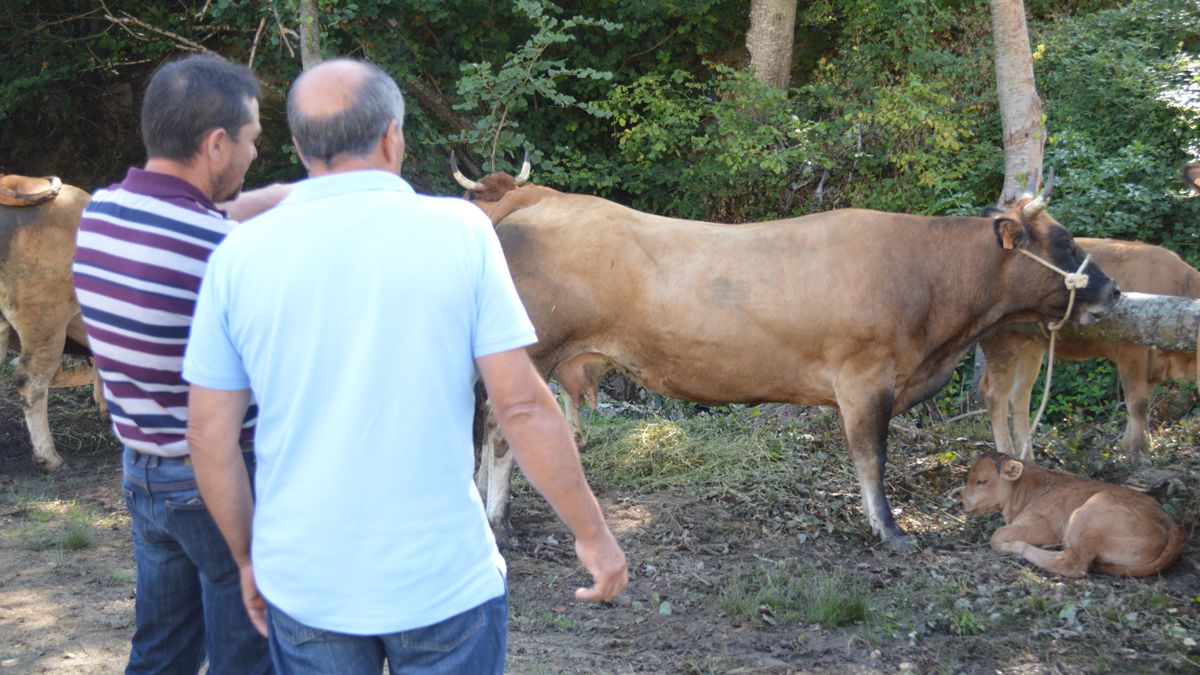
[1169, 553]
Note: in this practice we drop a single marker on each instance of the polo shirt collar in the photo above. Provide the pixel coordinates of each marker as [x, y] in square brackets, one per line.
[165, 187]
[334, 184]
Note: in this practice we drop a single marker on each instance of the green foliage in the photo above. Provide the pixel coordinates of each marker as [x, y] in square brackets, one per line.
[501, 95]
[735, 142]
[1120, 88]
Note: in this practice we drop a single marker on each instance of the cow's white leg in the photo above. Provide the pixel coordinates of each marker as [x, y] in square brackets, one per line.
[494, 475]
[865, 417]
[35, 369]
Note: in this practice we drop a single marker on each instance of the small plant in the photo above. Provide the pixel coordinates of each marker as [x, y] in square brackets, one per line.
[966, 623]
[555, 621]
[781, 593]
[48, 530]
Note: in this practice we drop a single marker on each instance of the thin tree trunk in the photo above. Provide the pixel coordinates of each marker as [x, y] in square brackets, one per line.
[310, 34]
[1163, 321]
[769, 40]
[1020, 106]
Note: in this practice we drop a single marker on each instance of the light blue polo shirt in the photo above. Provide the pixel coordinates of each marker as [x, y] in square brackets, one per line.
[354, 310]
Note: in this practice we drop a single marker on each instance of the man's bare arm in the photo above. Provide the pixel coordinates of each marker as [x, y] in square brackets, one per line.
[253, 202]
[214, 426]
[542, 445]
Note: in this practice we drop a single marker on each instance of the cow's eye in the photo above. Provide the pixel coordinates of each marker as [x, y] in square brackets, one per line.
[981, 482]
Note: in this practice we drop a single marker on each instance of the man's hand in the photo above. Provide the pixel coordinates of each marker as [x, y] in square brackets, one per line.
[605, 560]
[256, 605]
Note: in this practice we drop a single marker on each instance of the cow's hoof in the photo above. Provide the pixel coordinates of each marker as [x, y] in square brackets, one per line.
[504, 534]
[51, 464]
[897, 543]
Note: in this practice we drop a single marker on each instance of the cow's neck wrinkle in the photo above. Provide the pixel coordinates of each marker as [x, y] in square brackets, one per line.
[1033, 482]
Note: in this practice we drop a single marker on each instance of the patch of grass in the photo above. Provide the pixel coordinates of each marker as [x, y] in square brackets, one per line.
[69, 530]
[554, 621]
[784, 593]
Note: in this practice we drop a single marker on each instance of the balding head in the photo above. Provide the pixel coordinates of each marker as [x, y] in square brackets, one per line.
[341, 108]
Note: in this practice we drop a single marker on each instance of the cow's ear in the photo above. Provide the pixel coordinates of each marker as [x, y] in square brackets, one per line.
[1010, 233]
[1011, 470]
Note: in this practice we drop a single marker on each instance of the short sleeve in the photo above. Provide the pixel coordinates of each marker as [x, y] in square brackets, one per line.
[502, 322]
[211, 359]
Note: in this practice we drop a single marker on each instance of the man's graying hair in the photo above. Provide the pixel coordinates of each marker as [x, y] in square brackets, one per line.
[355, 130]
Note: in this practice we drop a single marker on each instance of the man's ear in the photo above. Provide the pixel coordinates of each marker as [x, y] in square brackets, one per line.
[1010, 233]
[1011, 470]
[212, 145]
[393, 143]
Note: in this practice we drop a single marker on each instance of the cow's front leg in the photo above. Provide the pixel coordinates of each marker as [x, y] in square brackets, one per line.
[1136, 386]
[494, 476]
[865, 421]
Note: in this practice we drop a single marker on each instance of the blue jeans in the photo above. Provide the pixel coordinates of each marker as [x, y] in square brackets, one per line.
[189, 596]
[473, 643]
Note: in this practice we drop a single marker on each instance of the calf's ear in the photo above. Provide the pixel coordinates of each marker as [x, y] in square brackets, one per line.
[1010, 233]
[1011, 469]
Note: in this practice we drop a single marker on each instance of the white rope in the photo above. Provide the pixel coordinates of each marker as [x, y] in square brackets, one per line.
[1073, 282]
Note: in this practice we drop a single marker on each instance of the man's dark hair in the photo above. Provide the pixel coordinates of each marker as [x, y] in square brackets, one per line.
[188, 97]
[356, 129]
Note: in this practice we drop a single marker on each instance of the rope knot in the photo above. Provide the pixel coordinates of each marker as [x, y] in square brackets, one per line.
[1076, 281]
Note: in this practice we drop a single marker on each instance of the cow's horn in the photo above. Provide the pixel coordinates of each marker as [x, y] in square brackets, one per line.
[526, 167]
[467, 183]
[1039, 202]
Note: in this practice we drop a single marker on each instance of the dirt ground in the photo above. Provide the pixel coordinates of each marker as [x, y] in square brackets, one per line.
[952, 605]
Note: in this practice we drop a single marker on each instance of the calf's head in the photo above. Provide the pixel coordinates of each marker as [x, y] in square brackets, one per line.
[990, 483]
[1027, 226]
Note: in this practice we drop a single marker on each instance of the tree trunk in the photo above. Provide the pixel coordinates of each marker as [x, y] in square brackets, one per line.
[1163, 321]
[769, 39]
[1020, 106]
[310, 34]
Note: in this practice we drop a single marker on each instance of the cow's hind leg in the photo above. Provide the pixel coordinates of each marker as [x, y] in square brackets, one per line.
[35, 370]
[580, 376]
[865, 421]
[494, 476]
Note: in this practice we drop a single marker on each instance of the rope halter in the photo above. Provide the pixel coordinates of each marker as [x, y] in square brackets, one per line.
[1073, 281]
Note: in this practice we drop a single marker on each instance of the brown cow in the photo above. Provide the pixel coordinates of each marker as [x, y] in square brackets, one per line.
[37, 300]
[1107, 528]
[866, 311]
[1012, 360]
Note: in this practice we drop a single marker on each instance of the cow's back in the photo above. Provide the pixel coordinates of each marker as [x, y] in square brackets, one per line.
[743, 303]
[37, 245]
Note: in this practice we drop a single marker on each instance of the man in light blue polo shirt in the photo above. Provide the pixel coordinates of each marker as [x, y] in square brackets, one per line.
[360, 315]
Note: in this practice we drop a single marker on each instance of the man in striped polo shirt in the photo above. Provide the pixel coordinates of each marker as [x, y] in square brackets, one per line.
[143, 246]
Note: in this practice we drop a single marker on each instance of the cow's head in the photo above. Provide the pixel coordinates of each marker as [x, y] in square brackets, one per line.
[1191, 176]
[492, 187]
[1027, 225]
[990, 483]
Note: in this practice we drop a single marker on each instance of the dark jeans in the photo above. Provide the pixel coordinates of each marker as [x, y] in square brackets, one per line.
[189, 599]
[473, 642]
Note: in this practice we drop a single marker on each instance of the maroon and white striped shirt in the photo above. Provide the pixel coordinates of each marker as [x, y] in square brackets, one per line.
[142, 249]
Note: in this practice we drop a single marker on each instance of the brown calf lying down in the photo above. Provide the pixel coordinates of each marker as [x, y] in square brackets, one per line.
[1102, 527]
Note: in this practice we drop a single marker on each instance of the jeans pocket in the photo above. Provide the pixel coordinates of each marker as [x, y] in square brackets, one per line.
[290, 630]
[186, 503]
[449, 634]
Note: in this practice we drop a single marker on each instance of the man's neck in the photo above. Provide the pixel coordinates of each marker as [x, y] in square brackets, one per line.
[186, 172]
